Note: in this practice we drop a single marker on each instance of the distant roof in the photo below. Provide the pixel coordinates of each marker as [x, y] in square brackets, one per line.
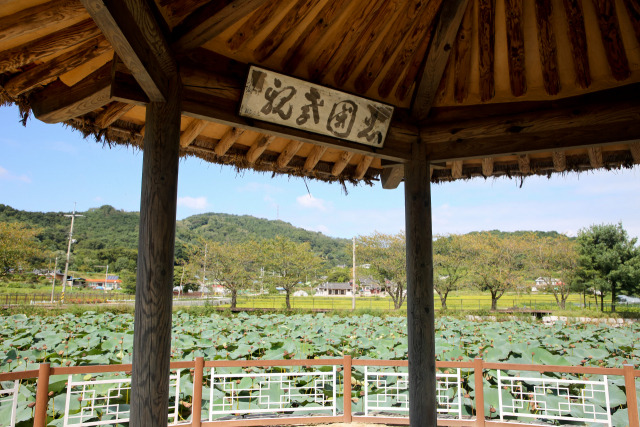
[331, 285]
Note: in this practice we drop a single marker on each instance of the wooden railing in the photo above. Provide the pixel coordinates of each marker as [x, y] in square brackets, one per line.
[232, 393]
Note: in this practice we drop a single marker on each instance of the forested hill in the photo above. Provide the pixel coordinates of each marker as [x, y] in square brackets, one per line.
[106, 234]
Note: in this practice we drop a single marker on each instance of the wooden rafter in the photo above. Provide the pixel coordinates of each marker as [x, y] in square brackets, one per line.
[342, 163]
[634, 147]
[524, 164]
[138, 39]
[559, 161]
[208, 21]
[595, 157]
[256, 22]
[363, 167]
[633, 7]
[287, 154]
[258, 147]
[462, 57]
[437, 57]
[487, 40]
[227, 140]
[612, 38]
[191, 132]
[456, 169]
[314, 157]
[578, 40]
[392, 176]
[112, 113]
[515, 44]
[547, 46]
[487, 166]
[58, 102]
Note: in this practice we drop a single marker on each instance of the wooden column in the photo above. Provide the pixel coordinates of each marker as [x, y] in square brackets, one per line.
[152, 326]
[420, 315]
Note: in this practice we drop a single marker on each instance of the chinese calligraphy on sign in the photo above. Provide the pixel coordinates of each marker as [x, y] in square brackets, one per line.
[288, 101]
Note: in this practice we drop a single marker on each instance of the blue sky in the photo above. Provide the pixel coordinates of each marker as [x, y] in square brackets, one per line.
[49, 167]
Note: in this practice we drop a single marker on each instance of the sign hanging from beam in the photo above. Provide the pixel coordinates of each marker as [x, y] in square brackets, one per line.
[276, 98]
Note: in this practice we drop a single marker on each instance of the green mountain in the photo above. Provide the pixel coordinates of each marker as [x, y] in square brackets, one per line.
[108, 235]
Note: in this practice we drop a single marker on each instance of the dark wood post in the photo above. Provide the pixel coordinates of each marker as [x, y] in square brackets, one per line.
[154, 282]
[420, 317]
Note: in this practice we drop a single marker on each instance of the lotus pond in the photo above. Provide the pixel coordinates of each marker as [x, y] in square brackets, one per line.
[107, 338]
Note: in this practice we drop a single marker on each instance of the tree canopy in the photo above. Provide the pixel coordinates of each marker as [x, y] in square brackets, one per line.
[18, 245]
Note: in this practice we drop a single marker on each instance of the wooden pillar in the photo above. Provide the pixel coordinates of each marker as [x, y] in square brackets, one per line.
[420, 314]
[154, 282]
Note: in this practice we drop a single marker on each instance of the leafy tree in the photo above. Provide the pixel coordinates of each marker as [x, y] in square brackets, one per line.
[555, 258]
[18, 246]
[451, 259]
[609, 259]
[387, 255]
[235, 266]
[339, 275]
[291, 263]
[499, 263]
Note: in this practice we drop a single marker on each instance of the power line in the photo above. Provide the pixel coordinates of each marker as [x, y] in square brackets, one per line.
[66, 265]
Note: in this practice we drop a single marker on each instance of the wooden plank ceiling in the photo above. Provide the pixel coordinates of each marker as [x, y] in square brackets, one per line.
[494, 87]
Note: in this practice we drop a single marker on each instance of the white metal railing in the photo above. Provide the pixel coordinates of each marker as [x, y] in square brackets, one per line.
[545, 398]
[9, 399]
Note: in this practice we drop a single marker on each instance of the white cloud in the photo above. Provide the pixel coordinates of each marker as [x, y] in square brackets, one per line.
[308, 201]
[8, 176]
[194, 203]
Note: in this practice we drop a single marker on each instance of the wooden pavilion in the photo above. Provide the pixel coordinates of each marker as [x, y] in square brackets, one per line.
[478, 88]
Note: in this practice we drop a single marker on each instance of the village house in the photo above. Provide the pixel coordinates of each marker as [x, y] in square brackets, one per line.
[334, 289]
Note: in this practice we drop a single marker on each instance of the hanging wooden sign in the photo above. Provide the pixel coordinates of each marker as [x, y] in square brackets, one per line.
[292, 102]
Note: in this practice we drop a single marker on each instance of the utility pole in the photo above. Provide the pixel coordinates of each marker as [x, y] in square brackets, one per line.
[204, 270]
[353, 285]
[106, 276]
[53, 283]
[66, 265]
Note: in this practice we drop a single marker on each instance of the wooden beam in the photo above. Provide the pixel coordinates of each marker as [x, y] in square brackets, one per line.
[595, 157]
[462, 57]
[515, 46]
[252, 26]
[634, 147]
[633, 7]
[578, 39]
[44, 74]
[287, 154]
[363, 167]
[612, 38]
[524, 164]
[314, 157]
[112, 113]
[487, 166]
[227, 140]
[39, 49]
[58, 102]
[258, 147]
[153, 303]
[456, 169]
[559, 161]
[391, 177]
[487, 40]
[138, 39]
[191, 132]
[420, 310]
[547, 46]
[437, 57]
[36, 18]
[342, 163]
[208, 21]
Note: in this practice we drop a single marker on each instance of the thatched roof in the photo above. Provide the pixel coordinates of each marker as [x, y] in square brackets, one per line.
[494, 87]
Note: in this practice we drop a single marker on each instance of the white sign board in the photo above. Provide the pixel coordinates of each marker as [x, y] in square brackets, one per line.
[276, 98]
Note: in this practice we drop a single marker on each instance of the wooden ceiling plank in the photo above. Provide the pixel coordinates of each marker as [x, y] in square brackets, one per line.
[138, 39]
[437, 57]
[515, 46]
[578, 40]
[595, 157]
[456, 169]
[559, 161]
[112, 113]
[343, 36]
[314, 157]
[58, 102]
[634, 147]
[612, 38]
[40, 49]
[342, 163]
[363, 167]
[547, 46]
[391, 177]
[254, 24]
[280, 33]
[487, 41]
[524, 164]
[404, 24]
[47, 72]
[258, 147]
[633, 8]
[191, 132]
[361, 44]
[228, 139]
[38, 17]
[312, 33]
[487, 166]
[208, 21]
[462, 57]
[287, 154]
